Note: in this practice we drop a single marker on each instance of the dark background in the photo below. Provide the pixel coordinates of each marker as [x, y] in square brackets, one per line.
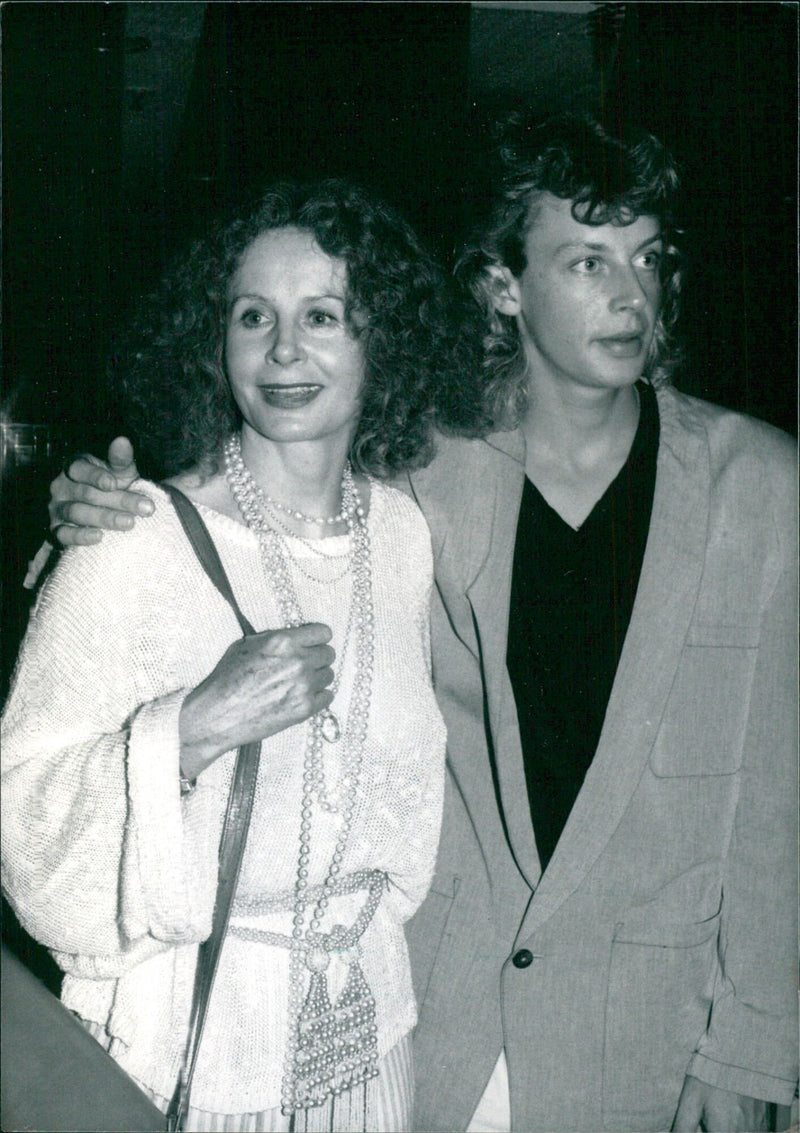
[126, 126]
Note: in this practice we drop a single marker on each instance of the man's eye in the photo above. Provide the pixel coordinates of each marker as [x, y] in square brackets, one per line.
[588, 265]
[651, 260]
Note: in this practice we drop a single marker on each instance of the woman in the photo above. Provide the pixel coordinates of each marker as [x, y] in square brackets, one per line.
[281, 372]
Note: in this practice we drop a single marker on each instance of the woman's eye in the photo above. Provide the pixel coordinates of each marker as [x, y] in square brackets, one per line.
[252, 317]
[321, 318]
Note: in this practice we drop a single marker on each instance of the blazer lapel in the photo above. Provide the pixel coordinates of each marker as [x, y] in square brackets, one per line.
[489, 595]
[665, 600]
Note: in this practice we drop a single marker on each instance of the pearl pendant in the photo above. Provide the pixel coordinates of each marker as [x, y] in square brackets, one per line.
[329, 726]
[317, 959]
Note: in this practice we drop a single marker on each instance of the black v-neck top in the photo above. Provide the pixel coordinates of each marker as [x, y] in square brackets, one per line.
[572, 595]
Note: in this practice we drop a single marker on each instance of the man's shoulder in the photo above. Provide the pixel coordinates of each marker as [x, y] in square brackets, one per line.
[457, 459]
[731, 426]
[457, 490]
[746, 467]
[734, 436]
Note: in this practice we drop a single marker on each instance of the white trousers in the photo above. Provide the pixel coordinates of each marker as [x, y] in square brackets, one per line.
[493, 1114]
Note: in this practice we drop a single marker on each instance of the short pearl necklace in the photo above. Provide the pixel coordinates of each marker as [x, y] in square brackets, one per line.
[316, 520]
[312, 1074]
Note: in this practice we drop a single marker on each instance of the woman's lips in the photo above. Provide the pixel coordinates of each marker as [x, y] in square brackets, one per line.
[289, 397]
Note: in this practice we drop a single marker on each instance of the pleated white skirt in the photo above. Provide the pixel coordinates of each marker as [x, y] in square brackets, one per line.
[382, 1105]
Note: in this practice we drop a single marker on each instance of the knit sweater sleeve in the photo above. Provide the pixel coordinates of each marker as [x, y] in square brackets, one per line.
[412, 869]
[100, 857]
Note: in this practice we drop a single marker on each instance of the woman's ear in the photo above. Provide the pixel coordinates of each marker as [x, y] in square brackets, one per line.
[502, 289]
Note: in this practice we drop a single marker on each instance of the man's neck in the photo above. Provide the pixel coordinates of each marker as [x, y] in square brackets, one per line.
[577, 440]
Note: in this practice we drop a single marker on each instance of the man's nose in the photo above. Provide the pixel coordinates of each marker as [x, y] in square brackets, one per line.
[628, 290]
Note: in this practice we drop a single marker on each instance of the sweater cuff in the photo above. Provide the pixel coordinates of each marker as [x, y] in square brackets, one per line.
[739, 1080]
[155, 816]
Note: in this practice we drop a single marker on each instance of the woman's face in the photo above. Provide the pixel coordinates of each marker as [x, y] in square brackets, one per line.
[296, 370]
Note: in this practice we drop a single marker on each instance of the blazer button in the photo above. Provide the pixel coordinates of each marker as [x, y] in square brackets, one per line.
[522, 959]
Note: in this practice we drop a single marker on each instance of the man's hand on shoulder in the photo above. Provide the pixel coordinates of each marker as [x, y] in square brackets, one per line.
[717, 1111]
[92, 496]
[89, 497]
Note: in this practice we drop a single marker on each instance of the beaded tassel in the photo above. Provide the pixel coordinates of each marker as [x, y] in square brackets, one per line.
[337, 1046]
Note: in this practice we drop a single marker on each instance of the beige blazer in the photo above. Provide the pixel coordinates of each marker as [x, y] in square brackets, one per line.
[662, 938]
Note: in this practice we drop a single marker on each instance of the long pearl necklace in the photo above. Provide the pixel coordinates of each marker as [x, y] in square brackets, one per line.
[330, 1048]
[250, 500]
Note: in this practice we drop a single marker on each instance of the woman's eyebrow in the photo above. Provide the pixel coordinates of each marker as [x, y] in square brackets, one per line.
[303, 298]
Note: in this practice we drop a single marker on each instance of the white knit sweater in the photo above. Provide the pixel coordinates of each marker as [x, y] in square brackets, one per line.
[106, 863]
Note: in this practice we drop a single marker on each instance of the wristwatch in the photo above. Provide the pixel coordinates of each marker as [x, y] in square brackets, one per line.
[186, 785]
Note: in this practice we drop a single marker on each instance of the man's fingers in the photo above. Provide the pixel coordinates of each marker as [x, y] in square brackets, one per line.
[69, 536]
[86, 469]
[120, 458]
[118, 473]
[89, 515]
[83, 496]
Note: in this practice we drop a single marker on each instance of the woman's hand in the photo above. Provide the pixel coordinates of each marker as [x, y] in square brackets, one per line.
[91, 495]
[263, 684]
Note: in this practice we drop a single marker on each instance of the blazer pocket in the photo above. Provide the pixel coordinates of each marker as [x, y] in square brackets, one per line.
[660, 985]
[666, 935]
[704, 722]
[426, 930]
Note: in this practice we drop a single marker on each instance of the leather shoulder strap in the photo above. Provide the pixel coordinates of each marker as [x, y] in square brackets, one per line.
[235, 826]
[204, 548]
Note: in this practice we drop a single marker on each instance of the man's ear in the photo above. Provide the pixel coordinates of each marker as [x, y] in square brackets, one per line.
[503, 290]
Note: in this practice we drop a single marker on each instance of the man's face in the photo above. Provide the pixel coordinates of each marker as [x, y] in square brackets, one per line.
[587, 302]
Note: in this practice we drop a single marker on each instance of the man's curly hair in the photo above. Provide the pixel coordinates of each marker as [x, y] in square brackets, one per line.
[609, 179]
[178, 402]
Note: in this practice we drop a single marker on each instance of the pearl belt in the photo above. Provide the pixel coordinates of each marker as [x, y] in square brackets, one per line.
[317, 944]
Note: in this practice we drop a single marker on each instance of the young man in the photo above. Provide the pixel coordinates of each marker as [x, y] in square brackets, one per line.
[610, 939]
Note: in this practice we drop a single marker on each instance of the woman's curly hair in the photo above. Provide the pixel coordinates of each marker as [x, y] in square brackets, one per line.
[608, 179]
[178, 402]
